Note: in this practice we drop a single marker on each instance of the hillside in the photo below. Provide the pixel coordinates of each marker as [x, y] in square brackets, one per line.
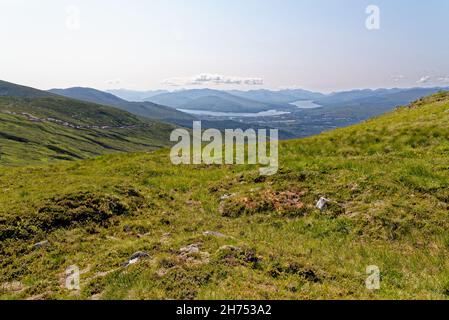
[209, 100]
[37, 126]
[134, 95]
[145, 109]
[14, 90]
[223, 232]
[278, 97]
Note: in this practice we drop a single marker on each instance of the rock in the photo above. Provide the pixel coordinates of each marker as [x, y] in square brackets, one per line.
[136, 257]
[322, 203]
[139, 255]
[41, 244]
[133, 261]
[144, 235]
[14, 286]
[191, 248]
[96, 296]
[214, 234]
[192, 254]
[227, 196]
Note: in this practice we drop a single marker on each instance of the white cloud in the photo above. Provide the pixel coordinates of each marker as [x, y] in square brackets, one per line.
[397, 78]
[174, 82]
[114, 82]
[434, 79]
[213, 79]
[444, 79]
[424, 79]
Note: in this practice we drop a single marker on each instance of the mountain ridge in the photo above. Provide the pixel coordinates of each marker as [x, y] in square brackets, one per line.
[145, 109]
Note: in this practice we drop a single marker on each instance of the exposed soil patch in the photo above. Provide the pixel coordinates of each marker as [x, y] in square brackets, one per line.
[286, 203]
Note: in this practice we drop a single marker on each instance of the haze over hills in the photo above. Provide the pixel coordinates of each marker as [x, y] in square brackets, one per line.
[43, 126]
[397, 96]
[210, 100]
[329, 111]
[145, 109]
[38, 126]
[158, 112]
[264, 99]
[278, 97]
[134, 95]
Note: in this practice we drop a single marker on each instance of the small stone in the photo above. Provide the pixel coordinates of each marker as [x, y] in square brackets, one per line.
[322, 203]
[133, 261]
[227, 196]
[14, 286]
[96, 296]
[41, 244]
[136, 257]
[214, 234]
[139, 255]
[144, 235]
[191, 248]
[192, 254]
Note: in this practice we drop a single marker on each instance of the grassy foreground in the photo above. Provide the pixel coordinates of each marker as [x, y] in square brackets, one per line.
[387, 179]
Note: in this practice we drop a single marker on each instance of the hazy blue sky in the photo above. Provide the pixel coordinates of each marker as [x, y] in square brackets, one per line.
[315, 44]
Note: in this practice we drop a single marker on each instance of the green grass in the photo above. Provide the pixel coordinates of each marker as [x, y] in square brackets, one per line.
[388, 179]
[25, 142]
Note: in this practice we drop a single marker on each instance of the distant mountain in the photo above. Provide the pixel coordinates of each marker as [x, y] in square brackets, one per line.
[277, 97]
[133, 95]
[38, 126]
[210, 100]
[396, 96]
[145, 109]
[214, 103]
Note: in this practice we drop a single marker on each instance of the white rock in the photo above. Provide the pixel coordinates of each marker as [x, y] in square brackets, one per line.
[41, 244]
[322, 203]
[191, 248]
[136, 258]
[133, 261]
[227, 196]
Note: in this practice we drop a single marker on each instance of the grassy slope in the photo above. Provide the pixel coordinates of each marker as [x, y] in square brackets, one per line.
[23, 141]
[389, 177]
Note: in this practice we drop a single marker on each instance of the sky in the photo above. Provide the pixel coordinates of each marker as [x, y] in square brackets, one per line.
[321, 45]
